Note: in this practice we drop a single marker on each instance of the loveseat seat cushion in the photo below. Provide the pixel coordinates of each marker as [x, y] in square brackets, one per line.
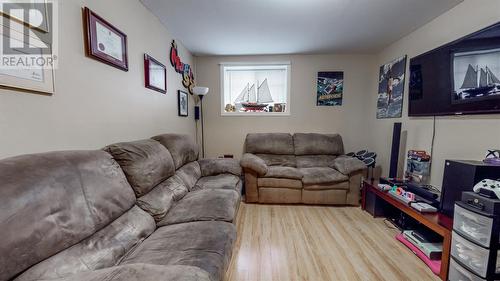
[159, 200]
[141, 272]
[318, 144]
[278, 160]
[322, 175]
[51, 201]
[279, 183]
[182, 148]
[216, 166]
[347, 165]
[283, 172]
[103, 249]
[146, 163]
[223, 181]
[311, 161]
[269, 143]
[189, 174]
[204, 205]
[206, 244]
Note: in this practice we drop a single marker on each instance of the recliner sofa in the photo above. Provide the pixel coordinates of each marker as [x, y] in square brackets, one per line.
[143, 210]
[303, 168]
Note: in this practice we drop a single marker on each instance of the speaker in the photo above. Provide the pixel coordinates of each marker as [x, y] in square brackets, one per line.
[396, 142]
[460, 176]
[196, 113]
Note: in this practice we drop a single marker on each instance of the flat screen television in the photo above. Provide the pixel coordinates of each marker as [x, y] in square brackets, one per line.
[462, 77]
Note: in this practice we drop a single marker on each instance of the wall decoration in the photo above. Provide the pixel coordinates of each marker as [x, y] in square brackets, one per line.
[104, 42]
[183, 68]
[42, 8]
[330, 88]
[155, 74]
[391, 89]
[183, 103]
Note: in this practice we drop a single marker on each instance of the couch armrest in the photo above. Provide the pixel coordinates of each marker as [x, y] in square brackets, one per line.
[216, 166]
[354, 193]
[348, 165]
[255, 163]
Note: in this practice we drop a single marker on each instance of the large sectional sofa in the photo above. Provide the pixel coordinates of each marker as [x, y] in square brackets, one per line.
[143, 210]
[303, 168]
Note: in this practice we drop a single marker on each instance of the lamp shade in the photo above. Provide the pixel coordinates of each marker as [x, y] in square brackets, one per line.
[200, 91]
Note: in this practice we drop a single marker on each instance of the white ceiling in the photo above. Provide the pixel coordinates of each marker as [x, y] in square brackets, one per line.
[250, 27]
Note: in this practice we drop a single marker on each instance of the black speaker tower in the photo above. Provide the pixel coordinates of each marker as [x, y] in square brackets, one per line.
[396, 140]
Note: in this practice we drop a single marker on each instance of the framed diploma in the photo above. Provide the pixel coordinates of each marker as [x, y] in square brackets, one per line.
[155, 74]
[104, 42]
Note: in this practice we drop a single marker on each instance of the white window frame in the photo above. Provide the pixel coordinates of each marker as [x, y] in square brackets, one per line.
[287, 112]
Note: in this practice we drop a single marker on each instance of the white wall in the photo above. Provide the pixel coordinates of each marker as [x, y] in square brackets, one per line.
[465, 137]
[95, 104]
[226, 134]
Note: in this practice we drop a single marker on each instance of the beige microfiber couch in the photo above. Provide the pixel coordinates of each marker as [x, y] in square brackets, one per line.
[303, 168]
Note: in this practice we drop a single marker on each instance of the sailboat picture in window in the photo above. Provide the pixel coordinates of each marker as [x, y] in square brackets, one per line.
[256, 100]
[476, 75]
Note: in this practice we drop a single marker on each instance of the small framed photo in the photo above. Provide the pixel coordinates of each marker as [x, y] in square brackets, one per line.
[183, 103]
[104, 42]
[155, 74]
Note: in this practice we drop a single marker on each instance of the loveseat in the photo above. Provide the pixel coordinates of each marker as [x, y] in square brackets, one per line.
[142, 210]
[303, 168]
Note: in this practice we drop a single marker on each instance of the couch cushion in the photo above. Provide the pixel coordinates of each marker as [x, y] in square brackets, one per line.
[321, 175]
[286, 183]
[278, 160]
[224, 181]
[182, 147]
[281, 195]
[146, 163]
[103, 249]
[159, 200]
[206, 244]
[327, 186]
[52, 201]
[189, 174]
[347, 165]
[283, 172]
[204, 205]
[311, 161]
[216, 166]
[142, 272]
[270, 143]
[317, 144]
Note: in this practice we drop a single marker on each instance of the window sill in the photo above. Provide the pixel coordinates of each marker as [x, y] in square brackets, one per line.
[255, 114]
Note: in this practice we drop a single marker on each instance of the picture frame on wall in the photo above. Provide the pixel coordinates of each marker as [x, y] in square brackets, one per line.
[14, 10]
[155, 74]
[183, 103]
[330, 88]
[38, 79]
[104, 42]
[391, 88]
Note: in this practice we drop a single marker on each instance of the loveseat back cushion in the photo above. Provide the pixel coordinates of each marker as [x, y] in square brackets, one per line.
[51, 201]
[159, 200]
[182, 148]
[269, 143]
[146, 163]
[189, 174]
[103, 249]
[317, 144]
[279, 160]
[311, 161]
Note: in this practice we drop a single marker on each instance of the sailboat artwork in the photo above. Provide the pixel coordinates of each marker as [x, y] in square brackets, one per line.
[252, 99]
[476, 75]
[478, 82]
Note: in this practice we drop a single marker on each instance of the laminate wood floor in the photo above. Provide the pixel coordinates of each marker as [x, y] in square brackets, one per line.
[281, 242]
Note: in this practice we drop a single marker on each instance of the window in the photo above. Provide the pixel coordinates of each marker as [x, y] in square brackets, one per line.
[255, 89]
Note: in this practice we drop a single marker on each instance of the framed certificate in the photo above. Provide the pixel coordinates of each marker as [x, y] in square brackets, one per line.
[104, 42]
[155, 74]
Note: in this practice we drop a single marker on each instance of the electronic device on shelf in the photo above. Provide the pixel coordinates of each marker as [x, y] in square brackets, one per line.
[488, 188]
[492, 157]
[426, 191]
[432, 250]
[460, 176]
[384, 187]
[423, 207]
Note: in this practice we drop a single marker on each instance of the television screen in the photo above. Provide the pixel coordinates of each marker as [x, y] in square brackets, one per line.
[458, 78]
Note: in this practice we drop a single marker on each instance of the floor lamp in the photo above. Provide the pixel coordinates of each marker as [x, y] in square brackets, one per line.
[201, 92]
